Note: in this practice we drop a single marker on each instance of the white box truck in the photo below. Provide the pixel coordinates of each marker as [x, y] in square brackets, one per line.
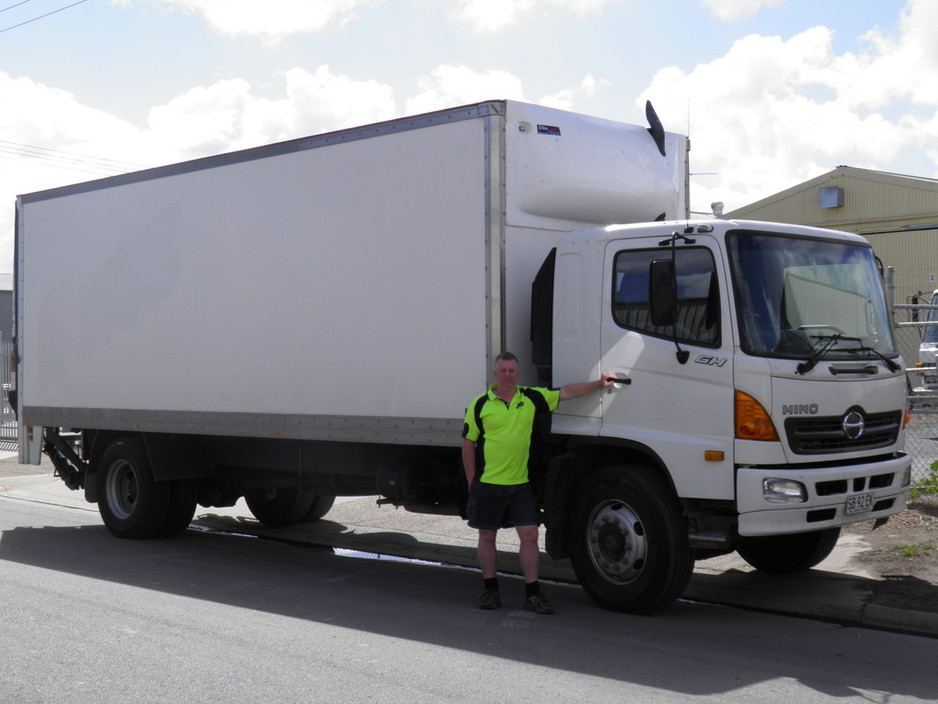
[310, 319]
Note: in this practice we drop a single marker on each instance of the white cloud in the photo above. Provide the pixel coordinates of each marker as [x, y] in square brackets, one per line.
[227, 115]
[490, 15]
[567, 98]
[496, 15]
[906, 65]
[729, 10]
[592, 85]
[448, 86]
[203, 120]
[269, 20]
[772, 113]
[323, 101]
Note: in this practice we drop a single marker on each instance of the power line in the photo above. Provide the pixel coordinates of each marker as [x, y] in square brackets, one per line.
[34, 19]
[67, 160]
[16, 5]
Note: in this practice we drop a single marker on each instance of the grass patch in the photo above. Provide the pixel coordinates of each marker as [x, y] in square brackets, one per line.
[915, 549]
[927, 486]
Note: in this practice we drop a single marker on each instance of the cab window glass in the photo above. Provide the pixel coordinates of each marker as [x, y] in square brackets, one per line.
[697, 315]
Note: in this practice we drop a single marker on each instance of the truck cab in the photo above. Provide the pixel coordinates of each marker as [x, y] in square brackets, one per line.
[766, 394]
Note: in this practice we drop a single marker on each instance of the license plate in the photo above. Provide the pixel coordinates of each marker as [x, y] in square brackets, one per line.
[860, 503]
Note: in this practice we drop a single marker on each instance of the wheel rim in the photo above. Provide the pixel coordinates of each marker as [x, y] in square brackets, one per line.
[616, 542]
[122, 489]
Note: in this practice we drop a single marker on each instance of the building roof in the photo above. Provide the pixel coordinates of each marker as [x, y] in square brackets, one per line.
[854, 199]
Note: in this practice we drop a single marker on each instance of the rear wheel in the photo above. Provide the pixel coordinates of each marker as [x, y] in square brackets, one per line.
[183, 496]
[321, 505]
[130, 502]
[287, 506]
[782, 554]
[630, 549]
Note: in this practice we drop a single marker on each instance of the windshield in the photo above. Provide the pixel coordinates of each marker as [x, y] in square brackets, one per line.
[931, 331]
[796, 295]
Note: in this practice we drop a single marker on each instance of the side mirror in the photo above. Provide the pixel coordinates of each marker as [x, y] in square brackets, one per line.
[662, 291]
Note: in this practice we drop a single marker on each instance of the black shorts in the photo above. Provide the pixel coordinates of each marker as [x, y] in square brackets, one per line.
[493, 506]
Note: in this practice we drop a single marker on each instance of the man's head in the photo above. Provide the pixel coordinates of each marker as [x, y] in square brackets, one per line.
[506, 370]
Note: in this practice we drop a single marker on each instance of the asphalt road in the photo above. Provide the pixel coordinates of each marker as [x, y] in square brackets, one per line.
[212, 617]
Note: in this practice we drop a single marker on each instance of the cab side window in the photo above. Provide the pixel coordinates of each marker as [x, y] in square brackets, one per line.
[697, 317]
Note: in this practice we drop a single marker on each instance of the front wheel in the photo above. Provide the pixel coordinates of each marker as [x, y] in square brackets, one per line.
[629, 546]
[783, 554]
[131, 503]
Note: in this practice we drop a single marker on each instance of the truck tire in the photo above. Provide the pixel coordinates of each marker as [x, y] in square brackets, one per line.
[783, 554]
[321, 505]
[183, 496]
[284, 506]
[629, 543]
[130, 502]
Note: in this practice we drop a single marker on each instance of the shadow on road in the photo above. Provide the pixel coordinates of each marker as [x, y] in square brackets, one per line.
[691, 648]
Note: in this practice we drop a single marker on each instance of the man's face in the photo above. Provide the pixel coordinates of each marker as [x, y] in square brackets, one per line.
[506, 373]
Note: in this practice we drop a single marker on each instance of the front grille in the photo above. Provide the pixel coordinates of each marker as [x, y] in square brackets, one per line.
[818, 436]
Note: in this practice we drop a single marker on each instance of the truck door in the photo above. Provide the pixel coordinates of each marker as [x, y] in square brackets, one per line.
[679, 405]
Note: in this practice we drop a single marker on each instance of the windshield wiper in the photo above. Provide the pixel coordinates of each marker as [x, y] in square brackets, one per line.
[890, 364]
[830, 341]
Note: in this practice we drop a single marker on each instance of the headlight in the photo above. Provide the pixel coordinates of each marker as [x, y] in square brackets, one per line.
[784, 491]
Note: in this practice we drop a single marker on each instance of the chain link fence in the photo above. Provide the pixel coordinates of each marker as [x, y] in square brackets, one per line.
[911, 322]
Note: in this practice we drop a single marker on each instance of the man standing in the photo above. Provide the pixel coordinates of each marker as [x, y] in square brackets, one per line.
[495, 452]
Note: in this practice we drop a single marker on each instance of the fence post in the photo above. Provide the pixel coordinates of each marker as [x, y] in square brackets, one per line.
[891, 294]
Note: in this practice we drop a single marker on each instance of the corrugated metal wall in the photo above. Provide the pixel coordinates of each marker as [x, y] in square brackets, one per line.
[872, 201]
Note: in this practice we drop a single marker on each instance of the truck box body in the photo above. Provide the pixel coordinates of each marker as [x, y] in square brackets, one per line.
[353, 286]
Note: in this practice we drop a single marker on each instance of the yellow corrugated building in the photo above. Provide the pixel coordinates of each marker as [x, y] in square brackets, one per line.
[897, 214]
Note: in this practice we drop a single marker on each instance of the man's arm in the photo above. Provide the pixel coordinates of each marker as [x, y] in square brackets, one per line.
[469, 459]
[571, 391]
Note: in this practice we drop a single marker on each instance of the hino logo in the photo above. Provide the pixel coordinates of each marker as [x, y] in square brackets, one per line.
[853, 425]
[799, 409]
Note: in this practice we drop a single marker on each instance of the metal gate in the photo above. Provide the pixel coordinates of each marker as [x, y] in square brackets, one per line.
[8, 425]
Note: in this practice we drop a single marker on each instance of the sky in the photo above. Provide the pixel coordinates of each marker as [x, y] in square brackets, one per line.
[771, 92]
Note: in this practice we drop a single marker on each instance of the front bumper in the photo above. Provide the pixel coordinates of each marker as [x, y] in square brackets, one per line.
[875, 490]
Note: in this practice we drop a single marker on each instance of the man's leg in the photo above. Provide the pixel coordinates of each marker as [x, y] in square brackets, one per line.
[490, 598]
[528, 554]
[487, 552]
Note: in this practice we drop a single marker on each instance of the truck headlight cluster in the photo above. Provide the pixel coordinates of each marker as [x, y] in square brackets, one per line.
[783, 491]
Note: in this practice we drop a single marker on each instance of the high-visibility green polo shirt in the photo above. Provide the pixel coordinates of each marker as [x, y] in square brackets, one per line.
[502, 433]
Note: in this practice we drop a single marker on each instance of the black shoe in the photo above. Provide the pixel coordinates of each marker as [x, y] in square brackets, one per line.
[538, 604]
[490, 599]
